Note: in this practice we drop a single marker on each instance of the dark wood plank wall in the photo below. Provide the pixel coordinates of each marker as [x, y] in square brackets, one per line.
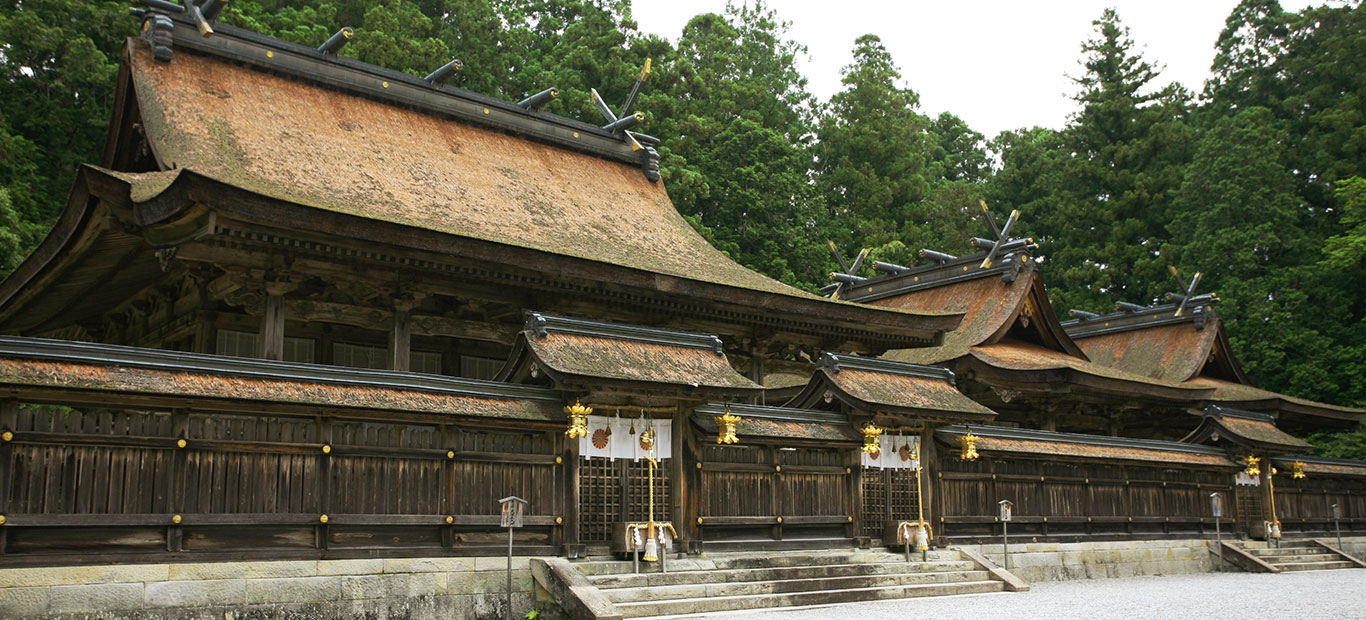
[771, 492]
[80, 481]
[1304, 506]
[1076, 500]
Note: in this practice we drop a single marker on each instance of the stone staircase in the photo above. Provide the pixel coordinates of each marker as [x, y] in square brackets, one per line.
[742, 581]
[1299, 554]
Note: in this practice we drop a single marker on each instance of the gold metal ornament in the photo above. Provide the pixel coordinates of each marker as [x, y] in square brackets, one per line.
[726, 434]
[180, 443]
[7, 436]
[969, 445]
[871, 443]
[1253, 469]
[450, 520]
[647, 439]
[322, 519]
[578, 420]
[176, 519]
[1297, 470]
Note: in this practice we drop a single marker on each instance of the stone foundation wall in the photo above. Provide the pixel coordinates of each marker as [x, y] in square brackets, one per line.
[1353, 545]
[1100, 560]
[397, 589]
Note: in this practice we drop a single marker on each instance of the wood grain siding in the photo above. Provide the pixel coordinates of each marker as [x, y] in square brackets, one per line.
[761, 494]
[1304, 506]
[112, 480]
[1077, 500]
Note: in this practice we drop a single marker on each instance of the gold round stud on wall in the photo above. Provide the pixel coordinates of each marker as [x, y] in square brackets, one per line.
[558, 460]
[384, 84]
[699, 520]
[450, 454]
[780, 519]
[181, 443]
[327, 449]
[7, 436]
[559, 520]
[322, 519]
[2, 519]
[175, 519]
[449, 519]
[270, 54]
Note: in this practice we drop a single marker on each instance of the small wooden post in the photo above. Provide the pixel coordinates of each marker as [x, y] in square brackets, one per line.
[512, 508]
[273, 323]
[1216, 505]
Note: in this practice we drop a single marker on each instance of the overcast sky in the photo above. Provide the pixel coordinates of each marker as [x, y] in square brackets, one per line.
[997, 64]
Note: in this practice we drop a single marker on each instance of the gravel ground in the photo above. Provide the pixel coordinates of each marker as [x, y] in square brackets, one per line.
[1325, 595]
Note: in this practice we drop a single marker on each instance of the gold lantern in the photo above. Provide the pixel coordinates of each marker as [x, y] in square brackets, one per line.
[871, 443]
[1297, 470]
[578, 420]
[726, 433]
[1253, 469]
[969, 445]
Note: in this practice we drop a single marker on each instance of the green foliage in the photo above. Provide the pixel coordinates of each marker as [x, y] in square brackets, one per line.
[1350, 444]
[1106, 219]
[58, 60]
[1346, 250]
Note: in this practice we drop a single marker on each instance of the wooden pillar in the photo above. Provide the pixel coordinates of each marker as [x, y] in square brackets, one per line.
[682, 487]
[175, 480]
[273, 323]
[401, 338]
[854, 491]
[448, 436]
[324, 481]
[9, 419]
[688, 487]
[570, 470]
[932, 476]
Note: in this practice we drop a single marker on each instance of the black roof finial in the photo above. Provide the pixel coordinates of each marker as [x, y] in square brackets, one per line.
[621, 124]
[850, 274]
[1189, 295]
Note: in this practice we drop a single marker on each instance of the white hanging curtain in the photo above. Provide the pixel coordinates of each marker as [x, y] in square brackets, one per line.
[897, 451]
[612, 437]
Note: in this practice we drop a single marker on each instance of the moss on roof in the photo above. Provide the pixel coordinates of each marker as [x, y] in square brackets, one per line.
[634, 360]
[125, 379]
[1173, 352]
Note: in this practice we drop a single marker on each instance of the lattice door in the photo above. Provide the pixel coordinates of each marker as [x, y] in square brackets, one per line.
[888, 494]
[604, 498]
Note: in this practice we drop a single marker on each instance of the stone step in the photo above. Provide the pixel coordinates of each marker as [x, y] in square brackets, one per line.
[691, 606]
[1328, 565]
[1298, 557]
[788, 586]
[768, 560]
[1252, 545]
[633, 580]
[595, 567]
